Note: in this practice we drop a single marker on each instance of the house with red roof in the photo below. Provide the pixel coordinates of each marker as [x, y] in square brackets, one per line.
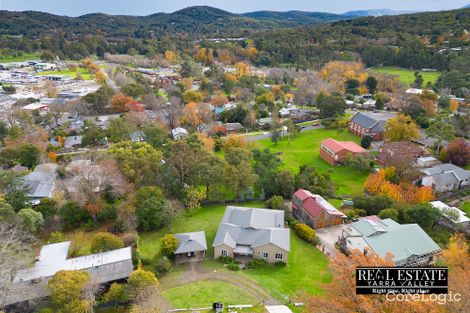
[336, 152]
[314, 210]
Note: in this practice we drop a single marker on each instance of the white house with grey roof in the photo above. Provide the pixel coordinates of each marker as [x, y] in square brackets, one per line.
[249, 232]
[30, 284]
[408, 243]
[191, 246]
[445, 177]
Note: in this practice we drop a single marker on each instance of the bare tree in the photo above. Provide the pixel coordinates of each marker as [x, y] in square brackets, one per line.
[173, 112]
[150, 300]
[91, 181]
[16, 252]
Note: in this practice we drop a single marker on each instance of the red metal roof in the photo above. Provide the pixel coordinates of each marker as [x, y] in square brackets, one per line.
[337, 146]
[314, 204]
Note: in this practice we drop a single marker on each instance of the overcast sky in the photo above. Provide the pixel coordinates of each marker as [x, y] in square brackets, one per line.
[146, 7]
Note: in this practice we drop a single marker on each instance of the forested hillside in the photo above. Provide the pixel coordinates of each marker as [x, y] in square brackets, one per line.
[192, 21]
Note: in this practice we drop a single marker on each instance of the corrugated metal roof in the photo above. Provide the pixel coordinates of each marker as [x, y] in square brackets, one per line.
[403, 241]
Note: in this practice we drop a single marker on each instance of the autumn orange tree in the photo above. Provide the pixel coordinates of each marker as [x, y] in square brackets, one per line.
[242, 69]
[170, 56]
[338, 72]
[341, 292]
[457, 258]
[119, 102]
[401, 128]
[196, 114]
[204, 55]
[384, 182]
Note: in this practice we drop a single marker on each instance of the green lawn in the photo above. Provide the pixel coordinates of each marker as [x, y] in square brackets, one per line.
[306, 272]
[305, 149]
[19, 58]
[204, 293]
[406, 75]
[82, 71]
[465, 206]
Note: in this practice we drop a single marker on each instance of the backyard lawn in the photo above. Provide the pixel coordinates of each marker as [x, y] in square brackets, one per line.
[203, 293]
[407, 76]
[305, 149]
[306, 272]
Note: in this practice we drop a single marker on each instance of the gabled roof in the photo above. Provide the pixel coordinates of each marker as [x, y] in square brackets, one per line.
[447, 173]
[337, 146]
[373, 121]
[191, 242]
[252, 227]
[40, 184]
[314, 204]
[403, 241]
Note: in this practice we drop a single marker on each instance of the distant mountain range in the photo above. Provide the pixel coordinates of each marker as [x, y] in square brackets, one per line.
[198, 21]
[377, 12]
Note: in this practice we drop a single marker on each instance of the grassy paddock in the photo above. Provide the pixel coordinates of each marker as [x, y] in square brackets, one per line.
[204, 293]
[72, 74]
[305, 149]
[21, 57]
[406, 76]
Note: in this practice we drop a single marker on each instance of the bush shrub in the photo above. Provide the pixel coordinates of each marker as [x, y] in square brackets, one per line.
[256, 263]
[276, 203]
[226, 259]
[162, 266]
[102, 242]
[279, 264]
[305, 232]
[233, 267]
[56, 237]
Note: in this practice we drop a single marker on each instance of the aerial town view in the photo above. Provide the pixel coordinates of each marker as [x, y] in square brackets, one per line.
[252, 157]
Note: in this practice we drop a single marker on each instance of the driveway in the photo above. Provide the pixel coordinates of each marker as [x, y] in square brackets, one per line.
[328, 237]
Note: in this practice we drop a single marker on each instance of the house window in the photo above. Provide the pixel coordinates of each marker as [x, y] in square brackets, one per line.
[265, 255]
[278, 256]
[224, 253]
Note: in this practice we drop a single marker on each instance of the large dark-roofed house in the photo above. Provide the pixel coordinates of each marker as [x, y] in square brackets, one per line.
[369, 123]
[191, 247]
[252, 233]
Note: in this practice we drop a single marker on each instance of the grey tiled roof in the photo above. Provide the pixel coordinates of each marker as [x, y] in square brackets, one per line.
[447, 172]
[40, 184]
[252, 227]
[191, 242]
[374, 121]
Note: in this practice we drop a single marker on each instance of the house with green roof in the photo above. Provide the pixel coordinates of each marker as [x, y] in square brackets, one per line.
[408, 243]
